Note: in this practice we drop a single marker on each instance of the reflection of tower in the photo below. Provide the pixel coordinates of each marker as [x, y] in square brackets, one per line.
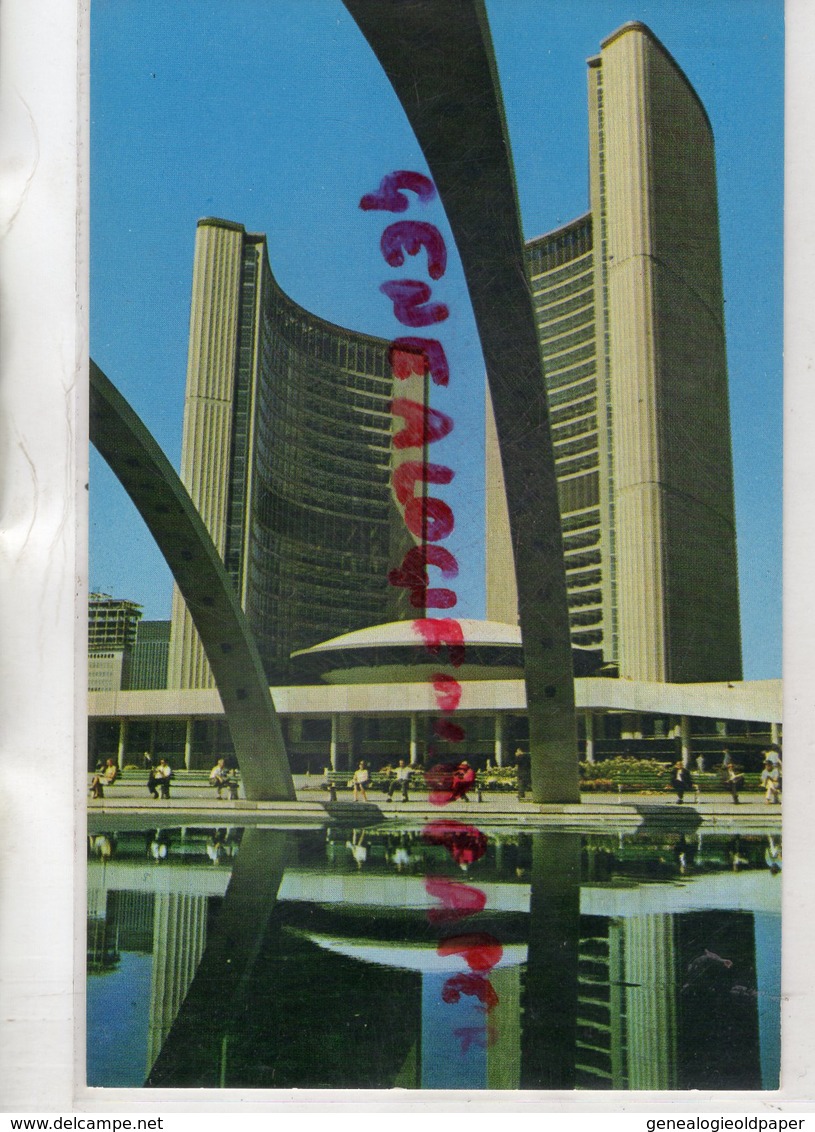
[630, 314]
[504, 1054]
[179, 938]
[601, 1020]
[650, 996]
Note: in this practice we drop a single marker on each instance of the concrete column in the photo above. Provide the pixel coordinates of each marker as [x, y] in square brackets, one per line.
[188, 745]
[684, 735]
[775, 733]
[120, 754]
[414, 739]
[588, 721]
[499, 739]
[334, 738]
[152, 738]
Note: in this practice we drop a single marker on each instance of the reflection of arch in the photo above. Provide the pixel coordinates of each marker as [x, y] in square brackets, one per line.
[164, 504]
[439, 58]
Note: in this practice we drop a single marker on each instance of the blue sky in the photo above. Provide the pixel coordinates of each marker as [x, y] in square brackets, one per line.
[274, 113]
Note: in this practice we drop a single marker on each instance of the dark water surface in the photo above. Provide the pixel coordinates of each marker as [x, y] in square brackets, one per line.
[437, 957]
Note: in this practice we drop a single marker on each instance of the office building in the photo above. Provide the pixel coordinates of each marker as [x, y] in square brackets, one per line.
[112, 628]
[148, 663]
[630, 313]
[286, 453]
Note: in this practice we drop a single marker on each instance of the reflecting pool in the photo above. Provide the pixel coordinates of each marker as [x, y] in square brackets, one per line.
[442, 956]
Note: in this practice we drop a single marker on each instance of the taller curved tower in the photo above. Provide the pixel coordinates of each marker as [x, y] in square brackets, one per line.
[631, 327]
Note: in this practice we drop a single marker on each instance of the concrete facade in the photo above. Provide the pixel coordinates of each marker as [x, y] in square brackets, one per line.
[286, 453]
[631, 327]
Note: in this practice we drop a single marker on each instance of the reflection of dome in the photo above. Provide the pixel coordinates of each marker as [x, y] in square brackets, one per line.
[396, 653]
[409, 957]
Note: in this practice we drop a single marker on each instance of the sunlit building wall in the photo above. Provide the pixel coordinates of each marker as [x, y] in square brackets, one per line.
[631, 324]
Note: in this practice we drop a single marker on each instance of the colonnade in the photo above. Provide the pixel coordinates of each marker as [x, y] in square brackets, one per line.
[341, 754]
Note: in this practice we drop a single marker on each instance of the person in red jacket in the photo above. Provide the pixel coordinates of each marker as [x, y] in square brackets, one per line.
[463, 781]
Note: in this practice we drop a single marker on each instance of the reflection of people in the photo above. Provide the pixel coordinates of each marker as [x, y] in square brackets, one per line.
[685, 854]
[465, 843]
[524, 772]
[102, 844]
[215, 846]
[401, 858]
[359, 850]
[360, 781]
[400, 782]
[735, 853]
[463, 781]
[681, 781]
[159, 845]
[772, 855]
[771, 781]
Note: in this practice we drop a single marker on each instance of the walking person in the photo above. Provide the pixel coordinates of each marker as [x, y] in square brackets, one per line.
[360, 781]
[400, 781]
[681, 781]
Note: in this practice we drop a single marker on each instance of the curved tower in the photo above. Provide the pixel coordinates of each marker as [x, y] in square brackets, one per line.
[630, 313]
[286, 452]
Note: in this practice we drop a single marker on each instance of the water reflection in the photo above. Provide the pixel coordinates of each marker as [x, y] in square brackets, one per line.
[433, 958]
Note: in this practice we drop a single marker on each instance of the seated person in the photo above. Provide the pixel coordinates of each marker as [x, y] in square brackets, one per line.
[219, 777]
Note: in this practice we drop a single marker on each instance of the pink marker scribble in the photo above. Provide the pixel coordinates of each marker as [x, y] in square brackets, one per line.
[480, 950]
[470, 984]
[439, 631]
[411, 236]
[448, 691]
[409, 356]
[478, 1037]
[430, 519]
[457, 900]
[448, 782]
[411, 472]
[412, 575]
[446, 729]
[464, 843]
[423, 424]
[389, 197]
[411, 302]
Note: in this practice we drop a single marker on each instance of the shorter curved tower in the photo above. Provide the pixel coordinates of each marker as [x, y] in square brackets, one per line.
[287, 454]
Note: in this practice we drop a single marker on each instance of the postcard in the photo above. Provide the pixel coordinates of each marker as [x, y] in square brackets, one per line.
[430, 731]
